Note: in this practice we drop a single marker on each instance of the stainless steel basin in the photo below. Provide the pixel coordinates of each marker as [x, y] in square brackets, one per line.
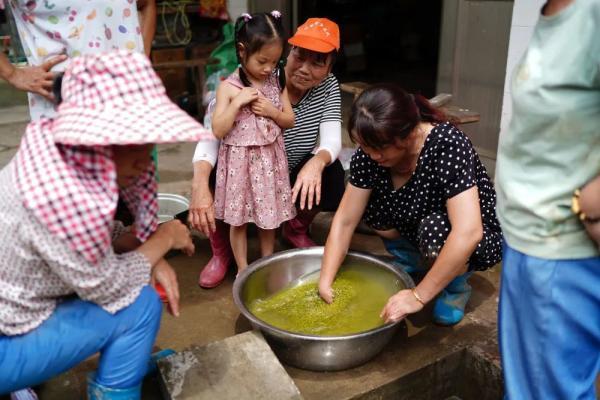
[169, 205]
[318, 353]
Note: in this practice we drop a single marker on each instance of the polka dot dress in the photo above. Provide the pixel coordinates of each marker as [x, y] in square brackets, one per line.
[447, 166]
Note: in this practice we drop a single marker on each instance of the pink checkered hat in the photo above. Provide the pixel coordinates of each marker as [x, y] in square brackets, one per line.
[117, 99]
[64, 169]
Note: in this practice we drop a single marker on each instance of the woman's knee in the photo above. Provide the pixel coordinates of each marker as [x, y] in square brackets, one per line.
[149, 305]
[488, 251]
[388, 235]
[432, 234]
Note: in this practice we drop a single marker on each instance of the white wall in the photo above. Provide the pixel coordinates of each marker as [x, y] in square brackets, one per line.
[236, 8]
[524, 17]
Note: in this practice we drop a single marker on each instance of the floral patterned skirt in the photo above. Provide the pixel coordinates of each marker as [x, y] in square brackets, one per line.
[253, 185]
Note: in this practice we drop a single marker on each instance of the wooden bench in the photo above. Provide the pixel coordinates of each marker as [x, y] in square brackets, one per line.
[197, 66]
[459, 114]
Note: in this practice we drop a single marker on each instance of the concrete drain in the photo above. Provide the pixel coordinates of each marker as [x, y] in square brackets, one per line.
[463, 375]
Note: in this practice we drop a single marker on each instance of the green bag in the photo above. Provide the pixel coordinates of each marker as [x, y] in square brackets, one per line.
[225, 53]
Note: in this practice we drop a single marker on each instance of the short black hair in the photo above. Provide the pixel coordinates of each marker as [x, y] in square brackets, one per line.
[384, 113]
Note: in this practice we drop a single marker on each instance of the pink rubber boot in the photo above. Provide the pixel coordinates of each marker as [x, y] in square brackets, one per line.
[215, 270]
[295, 231]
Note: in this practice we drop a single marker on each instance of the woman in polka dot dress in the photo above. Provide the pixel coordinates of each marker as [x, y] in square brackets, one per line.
[418, 182]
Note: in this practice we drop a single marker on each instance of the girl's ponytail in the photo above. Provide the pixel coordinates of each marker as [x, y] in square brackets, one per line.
[281, 73]
[241, 23]
[275, 17]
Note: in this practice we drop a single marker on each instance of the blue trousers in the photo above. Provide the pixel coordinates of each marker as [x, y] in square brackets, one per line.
[77, 330]
[549, 324]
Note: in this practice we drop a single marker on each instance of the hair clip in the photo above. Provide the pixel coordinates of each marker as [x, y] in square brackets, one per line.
[275, 14]
[246, 17]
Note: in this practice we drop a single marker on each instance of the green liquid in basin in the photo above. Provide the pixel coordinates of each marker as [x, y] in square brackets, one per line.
[358, 301]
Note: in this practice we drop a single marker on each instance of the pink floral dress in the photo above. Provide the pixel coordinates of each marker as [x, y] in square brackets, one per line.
[252, 172]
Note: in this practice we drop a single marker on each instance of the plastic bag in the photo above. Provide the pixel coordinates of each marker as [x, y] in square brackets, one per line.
[227, 63]
[208, 114]
[211, 84]
[225, 53]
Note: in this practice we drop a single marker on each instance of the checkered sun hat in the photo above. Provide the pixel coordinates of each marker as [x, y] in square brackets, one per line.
[117, 98]
[64, 170]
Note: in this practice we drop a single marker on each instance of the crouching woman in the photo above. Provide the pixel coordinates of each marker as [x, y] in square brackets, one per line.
[420, 184]
[73, 282]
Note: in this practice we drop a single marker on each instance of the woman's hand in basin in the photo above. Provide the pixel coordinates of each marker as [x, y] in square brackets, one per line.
[400, 305]
[326, 292]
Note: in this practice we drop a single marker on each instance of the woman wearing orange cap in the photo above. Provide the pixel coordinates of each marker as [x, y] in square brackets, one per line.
[312, 147]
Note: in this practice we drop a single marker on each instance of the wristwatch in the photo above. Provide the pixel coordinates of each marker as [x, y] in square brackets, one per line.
[576, 208]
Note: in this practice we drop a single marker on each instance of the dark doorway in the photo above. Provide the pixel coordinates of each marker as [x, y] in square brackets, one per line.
[384, 41]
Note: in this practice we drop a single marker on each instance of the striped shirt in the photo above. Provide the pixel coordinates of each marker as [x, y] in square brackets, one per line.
[320, 104]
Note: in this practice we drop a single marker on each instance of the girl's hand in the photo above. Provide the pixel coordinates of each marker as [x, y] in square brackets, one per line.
[326, 292]
[179, 235]
[245, 96]
[400, 305]
[263, 107]
[308, 183]
[164, 274]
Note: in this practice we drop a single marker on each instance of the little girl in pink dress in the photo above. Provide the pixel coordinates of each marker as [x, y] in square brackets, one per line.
[251, 110]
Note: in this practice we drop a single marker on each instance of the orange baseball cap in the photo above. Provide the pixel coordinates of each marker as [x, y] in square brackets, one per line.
[317, 34]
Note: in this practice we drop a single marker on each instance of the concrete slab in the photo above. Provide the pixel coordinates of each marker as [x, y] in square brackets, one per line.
[463, 375]
[240, 367]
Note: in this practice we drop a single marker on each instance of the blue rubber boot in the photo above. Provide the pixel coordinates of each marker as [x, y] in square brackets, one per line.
[449, 308]
[406, 257]
[99, 392]
[96, 391]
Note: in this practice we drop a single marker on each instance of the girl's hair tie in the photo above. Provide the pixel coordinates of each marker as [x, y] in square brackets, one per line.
[275, 14]
[246, 17]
